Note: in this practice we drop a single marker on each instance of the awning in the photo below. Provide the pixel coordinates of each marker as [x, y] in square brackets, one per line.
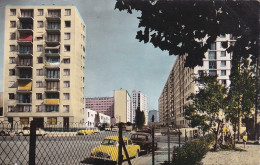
[25, 86]
[26, 38]
[55, 47]
[39, 35]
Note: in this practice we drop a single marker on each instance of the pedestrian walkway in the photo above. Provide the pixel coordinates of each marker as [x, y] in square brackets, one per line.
[251, 156]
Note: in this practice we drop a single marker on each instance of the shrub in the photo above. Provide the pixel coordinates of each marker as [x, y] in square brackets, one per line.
[191, 153]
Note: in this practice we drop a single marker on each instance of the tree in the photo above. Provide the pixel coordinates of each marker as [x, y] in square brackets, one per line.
[139, 118]
[178, 27]
[206, 104]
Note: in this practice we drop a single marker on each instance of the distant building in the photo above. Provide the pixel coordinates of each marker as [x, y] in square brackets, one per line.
[90, 115]
[180, 84]
[139, 100]
[122, 106]
[103, 105]
[156, 115]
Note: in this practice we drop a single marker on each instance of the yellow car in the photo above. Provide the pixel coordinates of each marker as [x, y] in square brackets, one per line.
[86, 132]
[108, 150]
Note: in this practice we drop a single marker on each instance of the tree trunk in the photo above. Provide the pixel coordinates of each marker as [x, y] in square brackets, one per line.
[235, 129]
[216, 138]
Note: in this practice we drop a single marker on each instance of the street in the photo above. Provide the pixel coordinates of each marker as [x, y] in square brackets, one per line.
[70, 149]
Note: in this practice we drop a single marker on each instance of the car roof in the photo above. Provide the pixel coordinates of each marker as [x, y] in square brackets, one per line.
[116, 138]
[141, 133]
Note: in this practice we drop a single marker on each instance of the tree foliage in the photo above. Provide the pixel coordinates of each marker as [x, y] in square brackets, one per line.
[178, 27]
[206, 104]
[139, 118]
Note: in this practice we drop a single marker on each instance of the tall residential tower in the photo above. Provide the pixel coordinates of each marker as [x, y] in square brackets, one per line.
[44, 64]
[139, 100]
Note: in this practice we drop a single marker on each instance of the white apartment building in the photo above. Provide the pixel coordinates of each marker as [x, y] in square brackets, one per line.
[180, 82]
[90, 115]
[139, 100]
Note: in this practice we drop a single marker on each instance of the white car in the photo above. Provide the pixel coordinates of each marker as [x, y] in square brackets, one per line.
[26, 132]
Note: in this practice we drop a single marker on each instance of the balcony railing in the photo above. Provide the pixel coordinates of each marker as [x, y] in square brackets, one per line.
[52, 64]
[52, 89]
[29, 76]
[24, 101]
[53, 16]
[25, 53]
[24, 64]
[51, 101]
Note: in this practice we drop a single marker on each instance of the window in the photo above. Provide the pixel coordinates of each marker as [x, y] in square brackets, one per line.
[67, 36]
[67, 48]
[11, 84]
[66, 84]
[11, 96]
[10, 108]
[12, 12]
[223, 54]
[12, 36]
[52, 120]
[11, 72]
[39, 36]
[40, 12]
[53, 37]
[40, 24]
[53, 85]
[39, 72]
[39, 96]
[223, 63]
[12, 24]
[11, 60]
[224, 82]
[12, 48]
[66, 60]
[212, 65]
[53, 73]
[67, 23]
[66, 72]
[67, 12]
[212, 72]
[39, 60]
[38, 108]
[39, 84]
[222, 36]
[66, 108]
[212, 55]
[223, 73]
[52, 108]
[39, 48]
[24, 120]
[66, 96]
[213, 46]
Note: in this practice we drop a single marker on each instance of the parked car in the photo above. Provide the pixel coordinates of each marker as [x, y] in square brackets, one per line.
[144, 140]
[108, 150]
[26, 132]
[115, 129]
[88, 131]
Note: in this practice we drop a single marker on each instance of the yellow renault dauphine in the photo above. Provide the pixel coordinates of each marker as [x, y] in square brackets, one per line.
[108, 150]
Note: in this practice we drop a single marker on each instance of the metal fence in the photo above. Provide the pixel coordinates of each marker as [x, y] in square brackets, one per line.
[75, 144]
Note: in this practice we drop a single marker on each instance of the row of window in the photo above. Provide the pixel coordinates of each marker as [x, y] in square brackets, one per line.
[213, 64]
[40, 12]
[12, 60]
[39, 108]
[212, 55]
[39, 96]
[213, 72]
[39, 84]
[40, 24]
[28, 49]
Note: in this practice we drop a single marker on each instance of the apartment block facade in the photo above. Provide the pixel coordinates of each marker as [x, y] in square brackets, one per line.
[180, 84]
[44, 64]
[139, 100]
[104, 105]
[122, 106]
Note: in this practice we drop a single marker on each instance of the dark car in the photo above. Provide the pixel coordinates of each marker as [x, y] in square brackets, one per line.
[144, 140]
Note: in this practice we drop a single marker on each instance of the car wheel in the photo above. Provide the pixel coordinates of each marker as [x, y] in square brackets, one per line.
[137, 154]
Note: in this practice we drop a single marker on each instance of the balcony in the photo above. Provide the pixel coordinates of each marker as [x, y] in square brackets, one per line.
[53, 28]
[55, 41]
[24, 75]
[24, 98]
[52, 51]
[26, 39]
[24, 64]
[53, 15]
[52, 64]
[53, 89]
[52, 101]
[26, 27]
[24, 53]
[26, 15]
[25, 86]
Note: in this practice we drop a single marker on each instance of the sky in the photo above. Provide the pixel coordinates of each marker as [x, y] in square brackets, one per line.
[114, 58]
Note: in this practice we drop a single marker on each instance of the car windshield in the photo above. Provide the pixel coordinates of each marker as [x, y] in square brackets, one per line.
[108, 142]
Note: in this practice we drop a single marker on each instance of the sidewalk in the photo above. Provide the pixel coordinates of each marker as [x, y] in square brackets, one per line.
[249, 157]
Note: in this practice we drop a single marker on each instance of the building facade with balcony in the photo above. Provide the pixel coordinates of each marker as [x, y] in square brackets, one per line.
[103, 105]
[44, 64]
[180, 84]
